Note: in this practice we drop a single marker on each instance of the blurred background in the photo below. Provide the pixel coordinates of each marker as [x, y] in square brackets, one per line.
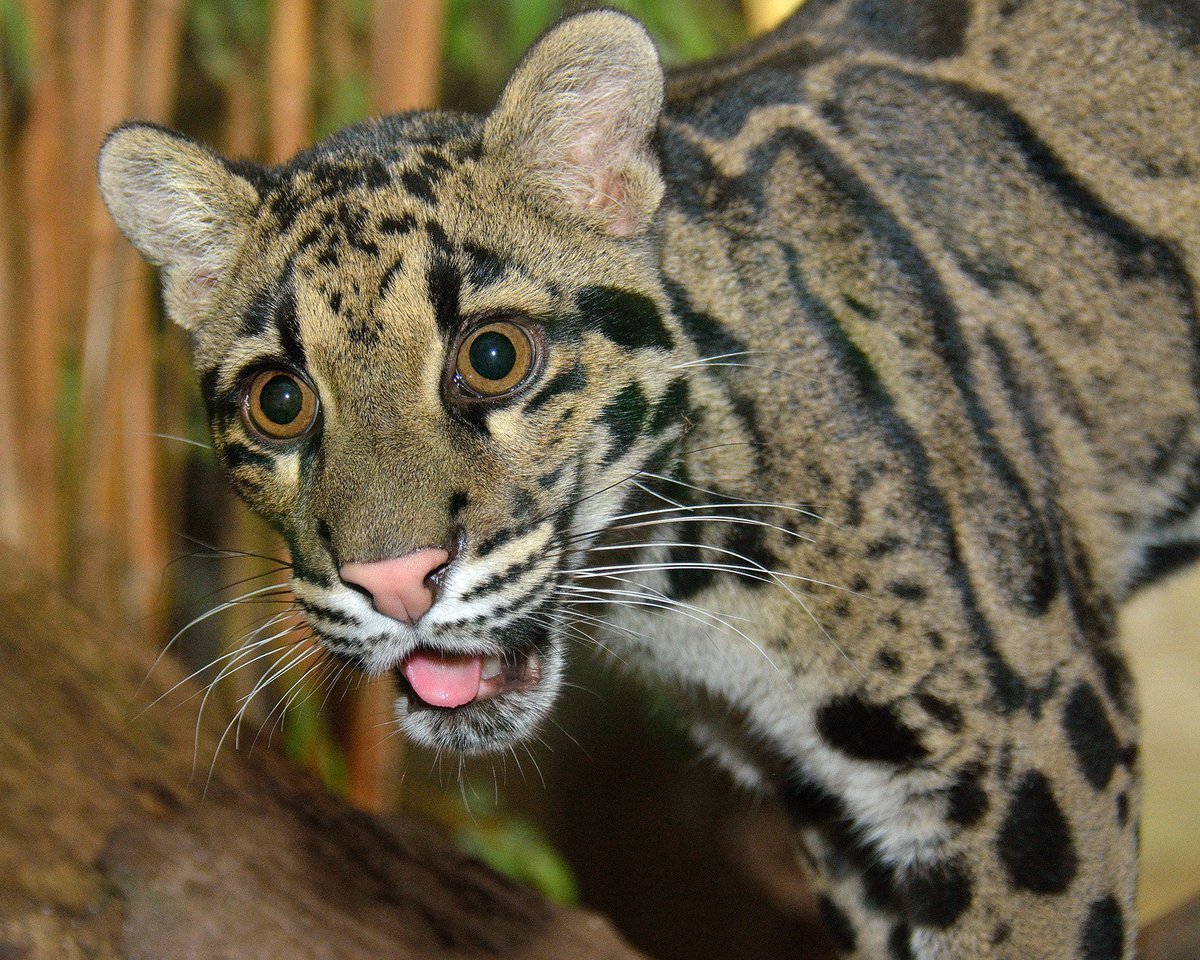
[107, 482]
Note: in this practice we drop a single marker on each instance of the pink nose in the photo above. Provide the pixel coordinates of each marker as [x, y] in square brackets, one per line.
[398, 585]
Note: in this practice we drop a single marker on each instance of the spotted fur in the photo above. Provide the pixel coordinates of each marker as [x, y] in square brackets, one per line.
[868, 391]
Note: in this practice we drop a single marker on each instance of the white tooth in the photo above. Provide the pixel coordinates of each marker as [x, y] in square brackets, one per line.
[491, 667]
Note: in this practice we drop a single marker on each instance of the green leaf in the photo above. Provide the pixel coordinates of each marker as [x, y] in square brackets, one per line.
[517, 848]
[16, 46]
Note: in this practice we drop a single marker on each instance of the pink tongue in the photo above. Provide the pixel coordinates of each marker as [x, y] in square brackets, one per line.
[444, 681]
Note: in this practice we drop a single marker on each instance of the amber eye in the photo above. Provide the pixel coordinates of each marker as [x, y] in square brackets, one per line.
[494, 359]
[279, 405]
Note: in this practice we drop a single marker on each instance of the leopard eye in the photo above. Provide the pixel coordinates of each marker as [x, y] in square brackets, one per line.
[494, 359]
[279, 405]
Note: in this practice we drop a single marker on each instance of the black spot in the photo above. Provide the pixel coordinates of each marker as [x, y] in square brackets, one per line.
[1091, 736]
[1103, 934]
[1162, 559]
[1035, 842]
[868, 731]
[220, 406]
[548, 480]
[286, 207]
[671, 407]
[1122, 809]
[839, 925]
[624, 415]
[328, 614]
[329, 256]
[385, 282]
[1004, 760]
[882, 547]
[629, 319]
[335, 301]
[257, 317]
[363, 334]
[287, 324]
[947, 714]
[898, 942]
[936, 640]
[420, 185]
[966, 800]
[907, 591]
[571, 380]
[746, 543]
[458, 502]
[484, 267]
[445, 285]
[326, 536]
[937, 894]
[1001, 934]
[438, 239]
[889, 660]
[354, 221]
[809, 804]
[397, 225]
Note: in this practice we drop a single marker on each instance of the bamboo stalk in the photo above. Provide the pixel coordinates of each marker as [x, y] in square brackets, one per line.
[290, 71]
[144, 530]
[40, 337]
[406, 50]
[82, 71]
[14, 522]
[110, 266]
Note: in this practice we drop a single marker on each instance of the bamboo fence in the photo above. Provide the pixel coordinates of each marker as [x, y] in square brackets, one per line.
[93, 386]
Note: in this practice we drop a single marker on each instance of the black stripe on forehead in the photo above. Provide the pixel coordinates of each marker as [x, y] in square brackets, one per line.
[627, 318]
[445, 288]
[276, 307]
[483, 266]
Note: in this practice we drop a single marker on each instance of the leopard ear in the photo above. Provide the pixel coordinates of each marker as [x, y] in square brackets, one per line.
[578, 117]
[184, 208]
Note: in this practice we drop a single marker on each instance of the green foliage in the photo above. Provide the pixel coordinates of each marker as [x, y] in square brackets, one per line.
[512, 845]
[227, 33]
[484, 40]
[16, 47]
[308, 740]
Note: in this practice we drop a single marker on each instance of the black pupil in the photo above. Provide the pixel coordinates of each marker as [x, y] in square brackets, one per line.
[493, 355]
[281, 400]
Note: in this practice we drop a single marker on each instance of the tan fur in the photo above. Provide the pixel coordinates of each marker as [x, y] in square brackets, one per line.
[867, 389]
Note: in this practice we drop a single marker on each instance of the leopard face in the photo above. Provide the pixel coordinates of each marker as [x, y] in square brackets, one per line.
[437, 338]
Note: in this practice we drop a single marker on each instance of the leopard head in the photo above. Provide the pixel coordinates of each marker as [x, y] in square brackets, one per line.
[433, 350]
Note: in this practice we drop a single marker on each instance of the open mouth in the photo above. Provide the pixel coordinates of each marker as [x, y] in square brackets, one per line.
[447, 681]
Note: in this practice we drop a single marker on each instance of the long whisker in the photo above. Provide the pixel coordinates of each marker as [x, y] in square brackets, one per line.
[270, 588]
[679, 608]
[242, 646]
[717, 493]
[669, 521]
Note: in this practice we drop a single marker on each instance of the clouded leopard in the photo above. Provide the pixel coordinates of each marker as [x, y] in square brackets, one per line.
[845, 385]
